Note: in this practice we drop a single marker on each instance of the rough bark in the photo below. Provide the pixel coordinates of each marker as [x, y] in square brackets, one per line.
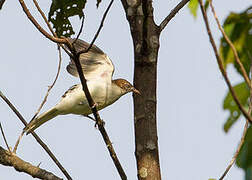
[145, 34]
[10, 159]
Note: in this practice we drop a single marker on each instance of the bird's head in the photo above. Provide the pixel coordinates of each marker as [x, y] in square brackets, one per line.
[126, 86]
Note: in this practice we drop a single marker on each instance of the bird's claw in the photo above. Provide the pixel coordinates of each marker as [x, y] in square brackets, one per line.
[94, 105]
[97, 123]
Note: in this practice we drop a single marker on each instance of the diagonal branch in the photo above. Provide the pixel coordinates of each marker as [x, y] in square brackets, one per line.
[10, 159]
[6, 143]
[222, 69]
[49, 26]
[244, 74]
[36, 24]
[172, 14]
[75, 56]
[244, 129]
[44, 146]
[91, 102]
[51, 86]
[99, 29]
[81, 28]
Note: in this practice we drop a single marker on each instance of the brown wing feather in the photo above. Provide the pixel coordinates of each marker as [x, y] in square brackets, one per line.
[93, 63]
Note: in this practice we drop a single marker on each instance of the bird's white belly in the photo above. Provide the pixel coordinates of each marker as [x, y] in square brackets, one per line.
[75, 101]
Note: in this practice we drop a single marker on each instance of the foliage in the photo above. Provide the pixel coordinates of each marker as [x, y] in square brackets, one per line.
[229, 104]
[238, 27]
[61, 11]
[193, 6]
[244, 159]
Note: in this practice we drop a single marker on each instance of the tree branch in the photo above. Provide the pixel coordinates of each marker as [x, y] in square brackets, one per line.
[49, 26]
[6, 143]
[99, 29]
[172, 14]
[244, 130]
[44, 146]
[51, 86]
[79, 33]
[221, 67]
[10, 159]
[237, 59]
[75, 56]
[91, 102]
[36, 24]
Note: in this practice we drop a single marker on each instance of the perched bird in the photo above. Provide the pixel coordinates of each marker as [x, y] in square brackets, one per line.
[98, 71]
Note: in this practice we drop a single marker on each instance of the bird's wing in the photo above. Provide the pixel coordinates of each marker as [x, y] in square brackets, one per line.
[95, 63]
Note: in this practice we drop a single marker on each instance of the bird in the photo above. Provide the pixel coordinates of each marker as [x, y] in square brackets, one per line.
[98, 70]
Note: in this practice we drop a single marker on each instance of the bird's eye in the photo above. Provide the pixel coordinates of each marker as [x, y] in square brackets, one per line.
[127, 86]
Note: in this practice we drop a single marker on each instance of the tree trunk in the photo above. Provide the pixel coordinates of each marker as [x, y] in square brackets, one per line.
[145, 34]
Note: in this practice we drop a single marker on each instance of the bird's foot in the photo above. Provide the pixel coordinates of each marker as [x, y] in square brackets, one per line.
[94, 105]
[99, 122]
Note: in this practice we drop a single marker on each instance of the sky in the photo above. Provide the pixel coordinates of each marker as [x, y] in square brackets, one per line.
[190, 91]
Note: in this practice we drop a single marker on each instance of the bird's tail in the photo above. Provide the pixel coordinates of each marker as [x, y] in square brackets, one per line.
[41, 119]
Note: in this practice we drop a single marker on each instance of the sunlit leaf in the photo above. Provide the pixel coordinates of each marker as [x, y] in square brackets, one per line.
[229, 104]
[59, 14]
[193, 7]
[238, 27]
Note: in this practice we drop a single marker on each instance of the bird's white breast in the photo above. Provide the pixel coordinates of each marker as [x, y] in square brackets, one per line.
[74, 100]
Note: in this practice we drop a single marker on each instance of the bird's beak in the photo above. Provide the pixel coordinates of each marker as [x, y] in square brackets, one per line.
[134, 90]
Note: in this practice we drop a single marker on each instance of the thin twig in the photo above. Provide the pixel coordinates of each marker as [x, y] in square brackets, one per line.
[18, 141]
[221, 67]
[91, 102]
[44, 146]
[237, 59]
[36, 24]
[44, 17]
[245, 127]
[75, 57]
[79, 33]
[99, 29]
[89, 117]
[49, 26]
[172, 14]
[6, 143]
[239, 146]
[51, 86]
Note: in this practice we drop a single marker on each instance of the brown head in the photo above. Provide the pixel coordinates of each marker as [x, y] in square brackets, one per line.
[126, 86]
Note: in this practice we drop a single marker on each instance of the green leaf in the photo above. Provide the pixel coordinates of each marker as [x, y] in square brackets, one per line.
[244, 158]
[229, 104]
[248, 173]
[193, 7]
[206, 5]
[59, 14]
[238, 28]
